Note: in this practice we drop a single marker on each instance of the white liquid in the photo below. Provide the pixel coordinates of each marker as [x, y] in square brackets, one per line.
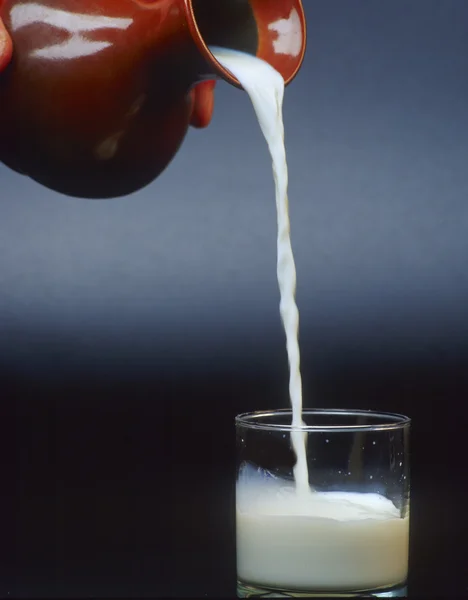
[265, 87]
[326, 541]
[288, 537]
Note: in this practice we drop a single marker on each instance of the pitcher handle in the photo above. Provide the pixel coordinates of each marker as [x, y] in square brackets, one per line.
[202, 98]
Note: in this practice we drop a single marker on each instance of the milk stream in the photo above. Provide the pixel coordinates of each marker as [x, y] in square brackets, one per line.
[265, 87]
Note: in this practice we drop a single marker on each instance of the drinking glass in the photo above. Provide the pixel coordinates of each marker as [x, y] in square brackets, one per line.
[349, 533]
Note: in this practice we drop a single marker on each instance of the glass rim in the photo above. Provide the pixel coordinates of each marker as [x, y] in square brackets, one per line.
[390, 421]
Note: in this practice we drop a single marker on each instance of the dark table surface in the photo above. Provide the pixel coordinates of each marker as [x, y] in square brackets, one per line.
[109, 495]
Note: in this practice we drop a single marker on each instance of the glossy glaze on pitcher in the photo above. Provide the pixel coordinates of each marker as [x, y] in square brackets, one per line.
[98, 96]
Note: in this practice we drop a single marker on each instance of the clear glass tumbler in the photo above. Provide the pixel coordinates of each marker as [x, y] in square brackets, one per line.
[349, 533]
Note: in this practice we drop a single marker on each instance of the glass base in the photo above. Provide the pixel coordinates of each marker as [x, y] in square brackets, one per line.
[244, 590]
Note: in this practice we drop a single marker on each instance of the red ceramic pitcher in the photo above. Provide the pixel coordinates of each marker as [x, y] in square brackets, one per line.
[97, 96]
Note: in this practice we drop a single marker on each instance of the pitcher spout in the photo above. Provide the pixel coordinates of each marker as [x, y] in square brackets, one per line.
[273, 30]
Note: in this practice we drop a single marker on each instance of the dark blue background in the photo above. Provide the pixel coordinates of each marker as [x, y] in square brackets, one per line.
[133, 330]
